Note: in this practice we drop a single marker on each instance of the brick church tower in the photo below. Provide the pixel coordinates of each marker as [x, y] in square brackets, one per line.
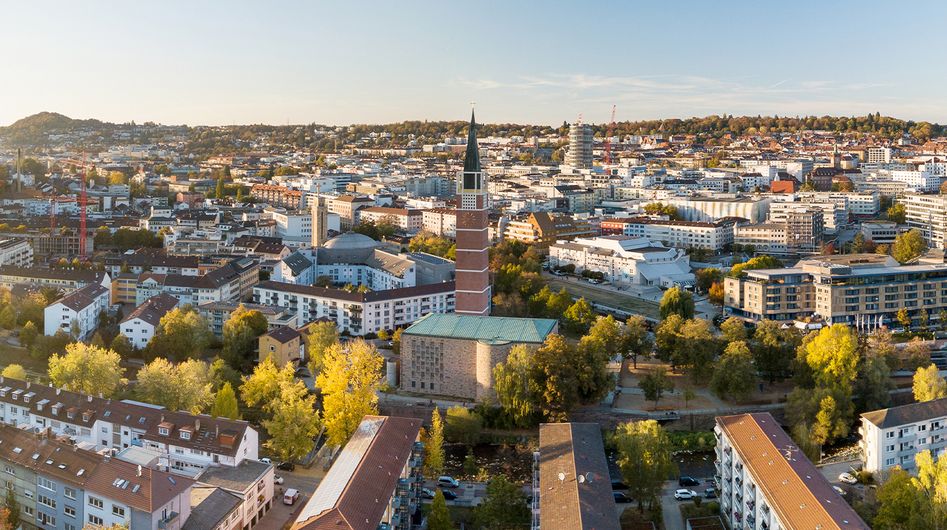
[473, 240]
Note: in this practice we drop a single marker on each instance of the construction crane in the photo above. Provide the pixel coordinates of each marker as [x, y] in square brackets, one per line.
[608, 140]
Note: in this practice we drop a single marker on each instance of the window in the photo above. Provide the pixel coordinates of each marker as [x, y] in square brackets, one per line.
[69, 493]
[96, 520]
[118, 511]
[46, 519]
[46, 483]
[96, 502]
[70, 511]
[46, 501]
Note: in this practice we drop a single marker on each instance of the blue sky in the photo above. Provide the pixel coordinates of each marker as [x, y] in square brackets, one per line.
[203, 62]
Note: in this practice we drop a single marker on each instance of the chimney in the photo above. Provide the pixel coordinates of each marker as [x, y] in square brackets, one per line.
[28, 384]
[197, 425]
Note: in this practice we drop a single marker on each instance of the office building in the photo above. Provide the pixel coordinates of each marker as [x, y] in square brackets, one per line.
[579, 155]
[625, 260]
[473, 240]
[713, 236]
[927, 213]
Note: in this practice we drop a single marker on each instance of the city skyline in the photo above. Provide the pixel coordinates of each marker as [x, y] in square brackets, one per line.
[525, 63]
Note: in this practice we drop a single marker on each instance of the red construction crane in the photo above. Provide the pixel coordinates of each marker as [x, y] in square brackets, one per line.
[608, 140]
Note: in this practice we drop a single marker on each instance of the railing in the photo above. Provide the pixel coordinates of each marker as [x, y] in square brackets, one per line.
[534, 504]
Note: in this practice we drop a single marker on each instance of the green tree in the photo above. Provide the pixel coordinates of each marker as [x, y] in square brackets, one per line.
[733, 330]
[439, 517]
[12, 507]
[873, 385]
[349, 381]
[667, 337]
[734, 374]
[262, 387]
[607, 335]
[900, 505]
[293, 424]
[908, 246]
[707, 277]
[87, 369]
[677, 302]
[897, 213]
[903, 318]
[181, 386]
[557, 377]
[320, 336]
[654, 384]
[644, 458]
[434, 448]
[14, 371]
[28, 334]
[225, 403]
[759, 262]
[45, 346]
[240, 334]
[7, 317]
[928, 384]
[773, 348]
[635, 339]
[182, 333]
[503, 506]
[462, 425]
[515, 388]
[122, 346]
[698, 347]
[579, 317]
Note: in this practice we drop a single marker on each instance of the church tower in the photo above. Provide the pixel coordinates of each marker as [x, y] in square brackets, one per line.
[473, 240]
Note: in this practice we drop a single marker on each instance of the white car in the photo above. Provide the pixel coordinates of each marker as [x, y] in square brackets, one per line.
[685, 495]
[266, 460]
[277, 479]
[847, 478]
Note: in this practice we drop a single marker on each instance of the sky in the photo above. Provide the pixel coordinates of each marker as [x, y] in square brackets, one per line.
[201, 62]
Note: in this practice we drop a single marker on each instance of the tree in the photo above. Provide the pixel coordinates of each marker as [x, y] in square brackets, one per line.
[759, 262]
[556, 375]
[897, 213]
[87, 369]
[874, 383]
[396, 341]
[439, 517]
[12, 508]
[181, 386]
[928, 384]
[14, 371]
[504, 506]
[733, 330]
[916, 353]
[45, 346]
[349, 380]
[7, 317]
[707, 277]
[900, 505]
[434, 448]
[772, 349]
[644, 458]
[677, 302]
[716, 294]
[294, 422]
[462, 425]
[904, 318]
[319, 337]
[579, 317]
[515, 388]
[240, 335]
[607, 335]
[28, 334]
[122, 346]
[697, 347]
[734, 374]
[262, 387]
[182, 333]
[225, 403]
[908, 246]
[654, 384]
[635, 339]
[833, 356]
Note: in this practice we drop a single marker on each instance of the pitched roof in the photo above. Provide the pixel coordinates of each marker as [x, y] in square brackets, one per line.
[284, 334]
[575, 450]
[914, 412]
[354, 494]
[153, 309]
[83, 297]
[297, 262]
[148, 492]
[483, 328]
[795, 489]
[371, 296]
[472, 156]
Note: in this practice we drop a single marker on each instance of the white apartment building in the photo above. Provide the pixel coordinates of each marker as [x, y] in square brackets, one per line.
[294, 227]
[878, 155]
[892, 437]
[16, 252]
[440, 221]
[834, 213]
[252, 482]
[625, 260]
[140, 325]
[918, 181]
[80, 308]
[354, 312]
[408, 221]
[231, 281]
[928, 213]
[863, 204]
[767, 483]
[679, 234]
[767, 238]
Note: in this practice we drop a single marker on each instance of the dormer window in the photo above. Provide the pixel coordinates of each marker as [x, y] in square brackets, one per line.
[163, 431]
[185, 435]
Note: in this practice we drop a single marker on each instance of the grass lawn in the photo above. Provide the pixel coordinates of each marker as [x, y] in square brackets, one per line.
[608, 298]
[17, 355]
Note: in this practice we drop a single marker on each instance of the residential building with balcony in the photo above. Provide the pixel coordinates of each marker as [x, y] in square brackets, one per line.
[142, 323]
[713, 236]
[767, 483]
[78, 312]
[893, 436]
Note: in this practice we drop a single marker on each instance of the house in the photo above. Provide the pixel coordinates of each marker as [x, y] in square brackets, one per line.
[283, 344]
[78, 311]
[894, 436]
[142, 323]
[213, 508]
[251, 481]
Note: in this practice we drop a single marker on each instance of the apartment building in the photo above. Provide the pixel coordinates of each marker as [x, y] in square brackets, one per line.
[217, 313]
[142, 323]
[927, 213]
[834, 213]
[625, 260]
[355, 312]
[151, 260]
[454, 355]
[880, 232]
[800, 232]
[406, 220]
[767, 483]
[859, 204]
[542, 229]
[67, 280]
[188, 442]
[250, 481]
[847, 289]
[374, 483]
[347, 207]
[712, 236]
[231, 281]
[284, 345]
[277, 196]
[893, 436]
[440, 221]
[16, 252]
[77, 312]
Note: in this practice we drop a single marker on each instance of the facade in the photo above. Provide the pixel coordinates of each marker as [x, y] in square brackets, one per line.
[709, 209]
[142, 323]
[880, 232]
[866, 290]
[800, 232]
[454, 355]
[767, 482]
[892, 437]
[231, 281]
[473, 239]
[928, 213]
[440, 221]
[66, 280]
[354, 312]
[283, 344]
[320, 221]
[406, 220]
[292, 226]
[251, 481]
[834, 213]
[586, 503]
[712, 236]
[277, 196]
[579, 155]
[359, 260]
[152, 260]
[374, 483]
[78, 311]
[16, 252]
[542, 229]
[347, 207]
[625, 260]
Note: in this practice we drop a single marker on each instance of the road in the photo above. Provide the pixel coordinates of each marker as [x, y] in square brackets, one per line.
[670, 507]
[301, 479]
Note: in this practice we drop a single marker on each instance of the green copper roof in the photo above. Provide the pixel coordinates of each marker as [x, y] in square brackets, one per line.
[472, 157]
[485, 329]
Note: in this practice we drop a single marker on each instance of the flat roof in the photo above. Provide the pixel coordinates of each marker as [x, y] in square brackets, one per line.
[483, 328]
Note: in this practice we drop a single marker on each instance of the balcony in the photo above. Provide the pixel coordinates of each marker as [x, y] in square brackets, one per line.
[169, 521]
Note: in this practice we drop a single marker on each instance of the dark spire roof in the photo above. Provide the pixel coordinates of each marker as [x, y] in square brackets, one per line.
[472, 157]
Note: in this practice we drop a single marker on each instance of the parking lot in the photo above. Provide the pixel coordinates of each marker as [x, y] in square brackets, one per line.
[303, 480]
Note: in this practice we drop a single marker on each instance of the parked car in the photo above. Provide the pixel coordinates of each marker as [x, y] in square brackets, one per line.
[286, 466]
[277, 479]
[445, 481]
[290, 496]
[847, 478]
[686, 481]
[710, 493]
[685, 495]
[620, 498]
[266, 460]
[839, 490]
[427, 493]
[619, 485]
[449, 495]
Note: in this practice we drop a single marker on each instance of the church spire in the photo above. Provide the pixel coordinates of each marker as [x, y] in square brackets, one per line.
[472, 156]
